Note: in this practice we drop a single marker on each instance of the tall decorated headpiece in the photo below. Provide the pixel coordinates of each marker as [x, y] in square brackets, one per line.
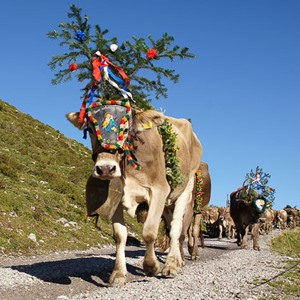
[111, 118]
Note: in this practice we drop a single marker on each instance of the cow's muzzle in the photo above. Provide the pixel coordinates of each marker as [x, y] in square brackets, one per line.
[106, 171]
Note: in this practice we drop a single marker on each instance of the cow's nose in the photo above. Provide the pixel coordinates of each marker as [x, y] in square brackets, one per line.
[105, 170]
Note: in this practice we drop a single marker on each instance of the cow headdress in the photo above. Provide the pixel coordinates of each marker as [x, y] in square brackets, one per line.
[111, 118]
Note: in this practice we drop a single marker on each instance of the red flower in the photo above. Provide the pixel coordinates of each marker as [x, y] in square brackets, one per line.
[151, 53]
[73, 67]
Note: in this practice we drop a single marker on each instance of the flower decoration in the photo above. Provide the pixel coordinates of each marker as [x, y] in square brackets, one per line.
[73, 67]
[80, 36]
[199, 191]
[152, 53]
[173, 172]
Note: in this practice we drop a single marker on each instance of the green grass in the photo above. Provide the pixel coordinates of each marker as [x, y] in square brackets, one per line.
[287, 284]
[42, 179]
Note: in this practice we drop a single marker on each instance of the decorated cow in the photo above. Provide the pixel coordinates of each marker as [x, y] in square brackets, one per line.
[247, 204]
[143, 160]
[202, 198]
[130, 171]
[193, 220]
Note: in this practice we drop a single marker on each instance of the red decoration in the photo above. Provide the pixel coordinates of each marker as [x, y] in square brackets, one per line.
[151, 53]
[73, 67]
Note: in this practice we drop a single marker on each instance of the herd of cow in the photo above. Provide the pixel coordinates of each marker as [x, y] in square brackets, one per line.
[217, 221]
[116, 185]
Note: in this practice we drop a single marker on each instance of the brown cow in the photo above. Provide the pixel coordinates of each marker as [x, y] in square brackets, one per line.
[245, 211]
[266, 221]
[191, 227]
[293, 216]
[195, 228]
[115, 185]
[226, 223]
[282, 218]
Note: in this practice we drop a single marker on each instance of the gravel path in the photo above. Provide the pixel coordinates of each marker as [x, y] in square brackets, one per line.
[222, 272]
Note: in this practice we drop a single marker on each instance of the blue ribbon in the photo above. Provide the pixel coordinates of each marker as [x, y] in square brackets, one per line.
[118, 80]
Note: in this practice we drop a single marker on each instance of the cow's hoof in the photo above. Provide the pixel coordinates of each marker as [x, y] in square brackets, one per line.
[194, 257]
[151, 269]
[117, 279]
[256, 248]
[172, 267]
[190, 249]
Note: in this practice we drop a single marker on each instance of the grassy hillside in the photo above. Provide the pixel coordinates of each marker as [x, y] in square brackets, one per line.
[42, 187]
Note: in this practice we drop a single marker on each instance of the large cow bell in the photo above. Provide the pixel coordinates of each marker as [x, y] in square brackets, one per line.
[103, 196]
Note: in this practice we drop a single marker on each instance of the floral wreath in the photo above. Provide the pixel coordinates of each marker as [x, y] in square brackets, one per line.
[199, 192]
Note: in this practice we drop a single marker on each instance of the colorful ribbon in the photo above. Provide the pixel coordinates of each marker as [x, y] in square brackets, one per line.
[102, 63]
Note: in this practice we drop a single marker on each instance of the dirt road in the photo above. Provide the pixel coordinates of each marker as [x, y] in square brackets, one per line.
[65, 275]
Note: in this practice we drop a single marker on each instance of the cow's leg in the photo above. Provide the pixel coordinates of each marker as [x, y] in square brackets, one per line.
[194, 234]
[165, 244]
[119, 274]
[244, 244]
[255, 236]
[238, 233]
[201, 237]
[190, 242]
[174, 261]
[151, 264]
[231, 231]
[228, 231]
[220, 231]
[187, 222]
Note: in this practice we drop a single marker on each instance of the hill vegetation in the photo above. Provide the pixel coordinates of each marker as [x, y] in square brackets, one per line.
[42, 189]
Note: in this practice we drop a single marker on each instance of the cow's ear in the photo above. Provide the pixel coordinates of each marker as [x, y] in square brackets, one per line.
[147, 120]
[73, 117]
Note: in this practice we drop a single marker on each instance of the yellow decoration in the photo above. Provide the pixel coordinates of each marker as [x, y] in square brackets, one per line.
[148, 125]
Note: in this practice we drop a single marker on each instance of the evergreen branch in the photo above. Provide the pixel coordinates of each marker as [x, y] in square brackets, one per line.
[130, 56]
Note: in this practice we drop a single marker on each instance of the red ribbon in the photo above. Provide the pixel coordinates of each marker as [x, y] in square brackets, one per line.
[103, 61]
[97, 63]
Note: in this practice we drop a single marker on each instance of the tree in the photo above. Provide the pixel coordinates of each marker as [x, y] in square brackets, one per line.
[136, 57]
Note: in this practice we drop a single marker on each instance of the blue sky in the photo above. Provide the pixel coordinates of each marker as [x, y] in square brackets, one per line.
[242, 91]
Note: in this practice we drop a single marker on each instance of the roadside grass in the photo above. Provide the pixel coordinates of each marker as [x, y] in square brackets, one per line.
[287, 284]
[288, 244]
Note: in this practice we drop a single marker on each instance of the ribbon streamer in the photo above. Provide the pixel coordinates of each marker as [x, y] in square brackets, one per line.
[102, 64]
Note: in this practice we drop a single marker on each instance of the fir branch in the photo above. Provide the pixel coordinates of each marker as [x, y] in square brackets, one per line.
[143, 72]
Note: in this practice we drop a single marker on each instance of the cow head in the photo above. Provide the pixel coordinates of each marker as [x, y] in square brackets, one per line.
[111, 129]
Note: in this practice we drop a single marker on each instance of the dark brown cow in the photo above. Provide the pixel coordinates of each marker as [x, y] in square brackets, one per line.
[115, 185]
[245, 211]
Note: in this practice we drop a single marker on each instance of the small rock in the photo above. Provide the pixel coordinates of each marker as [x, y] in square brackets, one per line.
[32, 237]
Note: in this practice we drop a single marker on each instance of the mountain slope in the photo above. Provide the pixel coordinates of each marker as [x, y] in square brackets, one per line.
[42, 187]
